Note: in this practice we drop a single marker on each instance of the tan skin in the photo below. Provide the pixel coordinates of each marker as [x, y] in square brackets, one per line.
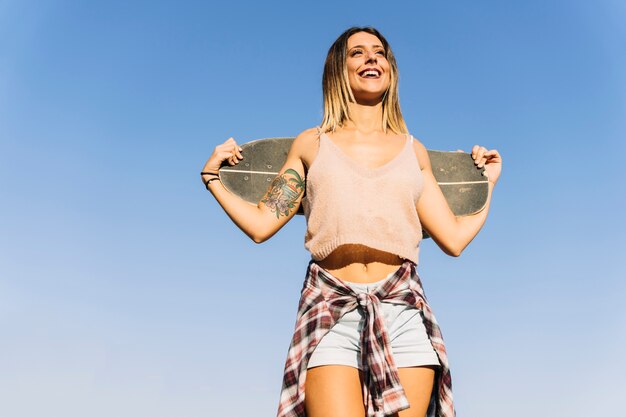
[334, 390]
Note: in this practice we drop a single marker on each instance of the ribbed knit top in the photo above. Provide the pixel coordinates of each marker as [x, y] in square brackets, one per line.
[348, 203]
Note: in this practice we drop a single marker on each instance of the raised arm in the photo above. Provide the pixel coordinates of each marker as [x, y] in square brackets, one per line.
[281, 201]
[452, 234]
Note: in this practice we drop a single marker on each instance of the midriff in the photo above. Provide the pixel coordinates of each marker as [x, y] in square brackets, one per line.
[359, 263]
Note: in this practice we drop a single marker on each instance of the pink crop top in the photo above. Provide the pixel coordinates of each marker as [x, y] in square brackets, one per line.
[348, 203]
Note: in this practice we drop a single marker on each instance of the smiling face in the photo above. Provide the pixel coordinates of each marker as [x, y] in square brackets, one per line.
[367, 67]
[360, 67]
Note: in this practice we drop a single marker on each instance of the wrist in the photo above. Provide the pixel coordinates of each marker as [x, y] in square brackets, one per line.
[208, 183]
[208, 177]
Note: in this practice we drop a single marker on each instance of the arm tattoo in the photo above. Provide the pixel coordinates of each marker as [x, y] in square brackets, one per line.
[283, 193]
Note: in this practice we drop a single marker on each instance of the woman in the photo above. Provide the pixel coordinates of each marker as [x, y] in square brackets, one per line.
[366, 342]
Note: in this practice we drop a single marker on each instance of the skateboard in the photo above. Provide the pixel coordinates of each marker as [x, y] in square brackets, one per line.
[462, 183]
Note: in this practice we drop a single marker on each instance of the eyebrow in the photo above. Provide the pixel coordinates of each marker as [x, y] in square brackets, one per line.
[363, 46]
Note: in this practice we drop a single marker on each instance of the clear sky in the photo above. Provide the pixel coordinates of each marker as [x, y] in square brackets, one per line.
[125, 290]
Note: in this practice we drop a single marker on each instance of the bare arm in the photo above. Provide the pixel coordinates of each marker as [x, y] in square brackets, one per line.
[452, 234]
[281, 200]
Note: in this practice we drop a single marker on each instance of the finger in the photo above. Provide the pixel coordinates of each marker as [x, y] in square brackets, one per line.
[475, 149]
[232, 142]
[236, 150]
[493, 155]
[492, 158]
[483, 157]
[480, 157]
[232, 150]
[235, 153]
[226, 156]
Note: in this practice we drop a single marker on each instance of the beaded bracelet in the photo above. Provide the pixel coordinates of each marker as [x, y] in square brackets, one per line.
[207, 182]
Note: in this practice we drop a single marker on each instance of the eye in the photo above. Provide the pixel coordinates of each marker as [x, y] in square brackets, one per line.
[381, 52]
[355, 52]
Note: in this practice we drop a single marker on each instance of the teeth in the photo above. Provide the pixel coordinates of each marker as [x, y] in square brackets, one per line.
[367, 73]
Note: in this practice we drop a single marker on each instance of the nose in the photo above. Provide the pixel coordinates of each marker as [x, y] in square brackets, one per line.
[371, 56]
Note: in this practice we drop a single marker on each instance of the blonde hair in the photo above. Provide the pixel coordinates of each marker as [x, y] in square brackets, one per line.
[337, 91]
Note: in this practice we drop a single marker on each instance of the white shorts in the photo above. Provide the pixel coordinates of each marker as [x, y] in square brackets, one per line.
[409, 341]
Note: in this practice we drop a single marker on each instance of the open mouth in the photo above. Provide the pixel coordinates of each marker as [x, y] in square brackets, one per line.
[370, 73]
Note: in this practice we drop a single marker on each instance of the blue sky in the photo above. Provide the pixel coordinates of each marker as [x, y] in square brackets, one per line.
[118, 271]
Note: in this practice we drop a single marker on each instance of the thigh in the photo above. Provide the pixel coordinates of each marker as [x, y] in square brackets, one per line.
[418, 384]
[333, 390]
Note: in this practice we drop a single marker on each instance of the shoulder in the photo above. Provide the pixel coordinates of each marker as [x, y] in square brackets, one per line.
[422, 153]
[305, 140]
[308, 135]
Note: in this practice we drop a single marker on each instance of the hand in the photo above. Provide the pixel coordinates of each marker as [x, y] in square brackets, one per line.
[227, 151]
[490, 159]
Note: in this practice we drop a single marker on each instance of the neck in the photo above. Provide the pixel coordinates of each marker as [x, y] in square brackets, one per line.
[365, 118]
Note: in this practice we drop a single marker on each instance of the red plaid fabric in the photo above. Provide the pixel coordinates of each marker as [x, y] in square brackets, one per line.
[324, 300]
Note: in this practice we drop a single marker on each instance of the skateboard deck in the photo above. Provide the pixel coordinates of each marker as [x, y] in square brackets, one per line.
[462, 183]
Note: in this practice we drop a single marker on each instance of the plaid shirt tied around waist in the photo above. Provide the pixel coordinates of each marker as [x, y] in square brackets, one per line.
[323, 301]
